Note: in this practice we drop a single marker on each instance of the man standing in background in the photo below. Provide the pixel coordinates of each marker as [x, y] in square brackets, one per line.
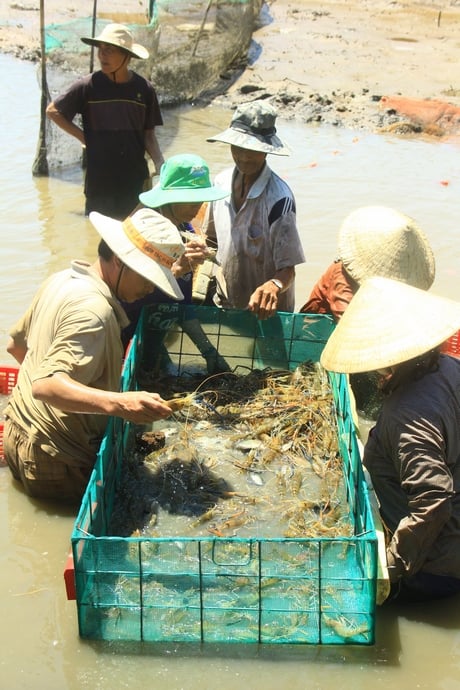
[120, 111]
[258, 243]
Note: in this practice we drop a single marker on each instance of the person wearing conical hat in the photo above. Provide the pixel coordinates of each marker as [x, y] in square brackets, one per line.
[68, 345]
[255, 228]
[373, 241]
[119, 111]
[413, 452]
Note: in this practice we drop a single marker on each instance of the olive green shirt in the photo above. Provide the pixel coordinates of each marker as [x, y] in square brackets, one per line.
[72, 327]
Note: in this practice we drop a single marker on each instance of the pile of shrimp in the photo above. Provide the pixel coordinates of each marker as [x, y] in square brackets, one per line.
[251, 454]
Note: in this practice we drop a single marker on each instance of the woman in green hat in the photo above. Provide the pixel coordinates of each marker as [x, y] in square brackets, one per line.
[184, 186]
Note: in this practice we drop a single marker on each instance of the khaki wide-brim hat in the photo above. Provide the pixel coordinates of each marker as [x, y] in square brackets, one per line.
[147, 242]
[120, 36]
[388, 322]
[381, 241]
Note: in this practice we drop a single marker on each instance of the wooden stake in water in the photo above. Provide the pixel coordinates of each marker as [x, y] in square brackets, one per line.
[40, 165]
[200, 31]
[93, 33]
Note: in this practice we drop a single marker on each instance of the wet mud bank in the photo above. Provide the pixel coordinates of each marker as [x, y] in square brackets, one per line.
[370, 65]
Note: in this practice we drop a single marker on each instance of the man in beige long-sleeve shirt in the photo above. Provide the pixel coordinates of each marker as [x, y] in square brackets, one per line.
[69, 346]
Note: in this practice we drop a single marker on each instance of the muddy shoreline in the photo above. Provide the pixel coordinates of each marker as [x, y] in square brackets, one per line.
[340, 64]
[334, 62]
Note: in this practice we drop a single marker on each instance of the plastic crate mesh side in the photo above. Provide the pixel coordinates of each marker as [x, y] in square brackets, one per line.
[452, 345]
[281, 342]
[8, 379]
[297, 591]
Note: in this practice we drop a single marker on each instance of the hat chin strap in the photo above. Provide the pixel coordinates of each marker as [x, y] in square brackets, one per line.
[117, 285]
[114, 73]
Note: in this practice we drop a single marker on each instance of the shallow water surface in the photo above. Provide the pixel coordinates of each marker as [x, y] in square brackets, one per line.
[331, 172]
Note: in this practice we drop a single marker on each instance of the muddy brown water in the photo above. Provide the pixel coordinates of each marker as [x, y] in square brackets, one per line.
[331, 171]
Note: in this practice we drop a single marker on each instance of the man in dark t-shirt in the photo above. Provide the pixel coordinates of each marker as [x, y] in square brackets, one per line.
[119, 111]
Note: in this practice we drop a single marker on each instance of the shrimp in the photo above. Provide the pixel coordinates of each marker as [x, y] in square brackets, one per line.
[177, 404]
[345, 628]
[237, 520]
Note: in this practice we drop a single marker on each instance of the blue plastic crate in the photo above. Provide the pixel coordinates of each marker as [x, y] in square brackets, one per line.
[225, 589]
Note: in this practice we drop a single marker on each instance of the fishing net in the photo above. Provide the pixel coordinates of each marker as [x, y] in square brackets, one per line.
[202, 45]
[193, 44]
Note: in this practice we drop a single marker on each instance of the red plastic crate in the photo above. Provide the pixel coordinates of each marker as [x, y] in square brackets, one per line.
[452, 345]
[8, 378]
[69, 578]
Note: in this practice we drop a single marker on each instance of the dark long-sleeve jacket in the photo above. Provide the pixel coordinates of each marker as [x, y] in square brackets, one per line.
[413, 457]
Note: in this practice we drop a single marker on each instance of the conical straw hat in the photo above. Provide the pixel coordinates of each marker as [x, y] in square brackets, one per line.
[388, 322]
[381, 241]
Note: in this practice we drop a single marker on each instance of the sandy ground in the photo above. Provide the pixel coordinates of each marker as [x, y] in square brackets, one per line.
[327, 61]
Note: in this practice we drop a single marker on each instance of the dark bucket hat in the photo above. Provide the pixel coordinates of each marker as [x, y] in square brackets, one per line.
[253, 127]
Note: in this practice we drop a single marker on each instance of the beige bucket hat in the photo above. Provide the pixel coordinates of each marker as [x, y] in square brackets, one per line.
[388, 322]
[381, 241]
[253, 127]
[118, 35]
[147, 242]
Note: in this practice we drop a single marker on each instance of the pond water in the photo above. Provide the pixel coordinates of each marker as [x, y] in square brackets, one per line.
[331, 171]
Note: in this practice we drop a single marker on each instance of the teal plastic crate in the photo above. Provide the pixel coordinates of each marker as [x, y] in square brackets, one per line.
[225, 589]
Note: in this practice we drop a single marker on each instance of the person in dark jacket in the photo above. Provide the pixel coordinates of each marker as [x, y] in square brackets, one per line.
[413, 452]
[373, 241]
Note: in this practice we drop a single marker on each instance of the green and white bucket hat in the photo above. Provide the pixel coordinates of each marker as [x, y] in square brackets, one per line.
[184, 179]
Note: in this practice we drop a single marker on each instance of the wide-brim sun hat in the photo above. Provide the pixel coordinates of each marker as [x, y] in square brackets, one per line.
[386, 323]
[381, 241]
[183, 179]
[147, 242]
[120, 36]
[253, 127]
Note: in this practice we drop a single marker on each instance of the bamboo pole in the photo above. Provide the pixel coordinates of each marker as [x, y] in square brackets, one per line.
[93, 33]
[40, 165]
[201, 27]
